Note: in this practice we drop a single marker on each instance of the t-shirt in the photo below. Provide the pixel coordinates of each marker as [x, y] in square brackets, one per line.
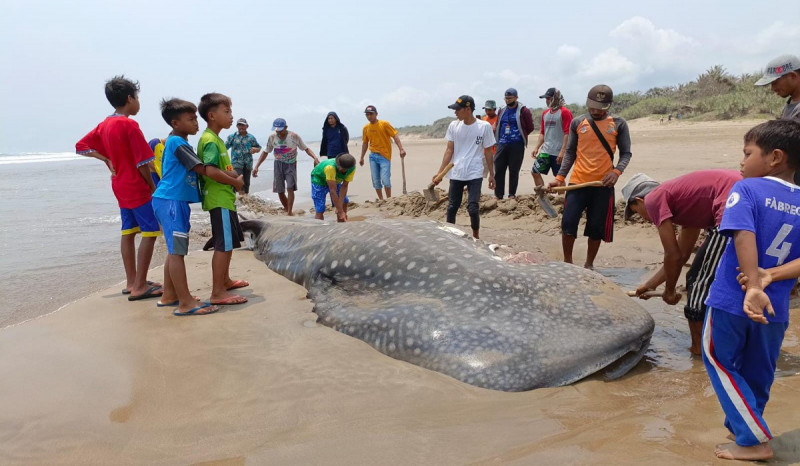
[379, 136]
[695, 200]
[240, 146]
[326, 171]
[591, 160]
[492, 121]
[120, 139]
[468, 144]
[212, 151]
[285, 149]
[790, 111]
[554, 127]
[178, 181]
[509, 130]
[770, 208]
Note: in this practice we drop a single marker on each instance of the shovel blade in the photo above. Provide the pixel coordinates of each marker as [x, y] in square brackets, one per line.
[546, 206]
[430, 194]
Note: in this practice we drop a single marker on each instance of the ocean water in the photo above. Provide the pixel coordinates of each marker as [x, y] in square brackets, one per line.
[60, 229]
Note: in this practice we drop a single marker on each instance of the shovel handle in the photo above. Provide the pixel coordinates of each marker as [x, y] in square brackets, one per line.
[442, 173]
[591, 184]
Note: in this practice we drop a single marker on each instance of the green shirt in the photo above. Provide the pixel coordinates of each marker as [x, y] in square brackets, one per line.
[211, 150]
[326, 171]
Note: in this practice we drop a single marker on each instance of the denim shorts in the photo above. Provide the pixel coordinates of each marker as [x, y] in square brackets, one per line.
[381, 169]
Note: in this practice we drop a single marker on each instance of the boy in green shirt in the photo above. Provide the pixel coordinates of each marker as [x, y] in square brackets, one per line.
[332, 176]
[219, 197]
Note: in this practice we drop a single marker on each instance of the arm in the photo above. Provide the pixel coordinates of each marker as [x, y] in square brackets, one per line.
[539, 144]
[311, 154]
[755, 300]
[263, 157]
[676, 254]
[527, 121]
[229, 141]
[399, 145]
[144, 171]
[97, 155]
[489, 159]
[448, 156]
[255, 147]
[364, 147]
[338, 200]
[569, 156]
[223, 177]
[566, 121]
[624, 146]
[560, 156]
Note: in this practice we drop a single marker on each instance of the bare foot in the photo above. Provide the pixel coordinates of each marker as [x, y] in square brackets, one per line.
[588, 266]
[731, 451]
[731, 437]
[290, 214]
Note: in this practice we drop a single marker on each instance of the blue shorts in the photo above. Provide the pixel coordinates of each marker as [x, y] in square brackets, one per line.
[319, 193]
[381, 170]
[174, 219]
[141, 219]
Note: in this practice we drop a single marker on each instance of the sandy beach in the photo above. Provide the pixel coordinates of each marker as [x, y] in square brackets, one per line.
[107, 381]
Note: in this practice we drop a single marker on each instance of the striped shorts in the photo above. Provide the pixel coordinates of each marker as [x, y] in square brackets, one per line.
[701, 275]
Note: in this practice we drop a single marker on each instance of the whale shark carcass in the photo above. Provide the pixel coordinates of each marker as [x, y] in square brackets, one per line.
[415, 291]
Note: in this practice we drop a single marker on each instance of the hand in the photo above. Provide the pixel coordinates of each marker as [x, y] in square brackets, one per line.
[763, 275]
[534, 153]
[641, 292]
[402, 153]
[361, 162]
[610, 179]
[341, 216]
[110, 167]
[671, 297]
[238, 182]
[560, 158]
[316, 161]
[554, 184]
[255, 172]
[254, 150]
[755, 301]
[491, 181]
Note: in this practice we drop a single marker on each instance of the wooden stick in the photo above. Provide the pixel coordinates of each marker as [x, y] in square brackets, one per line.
[591, 184]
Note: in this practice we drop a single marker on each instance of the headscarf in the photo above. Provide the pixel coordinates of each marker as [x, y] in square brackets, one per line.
[557, 101]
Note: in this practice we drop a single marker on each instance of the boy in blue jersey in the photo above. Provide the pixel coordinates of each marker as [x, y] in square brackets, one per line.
[740, 351]
[177, 189]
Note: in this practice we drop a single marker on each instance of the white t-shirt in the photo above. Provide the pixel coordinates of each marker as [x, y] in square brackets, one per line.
[469, 141]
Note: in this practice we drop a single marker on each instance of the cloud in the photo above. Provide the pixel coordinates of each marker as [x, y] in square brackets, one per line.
[611, 66]
[776, 36]
[567, 53]
[641, 34]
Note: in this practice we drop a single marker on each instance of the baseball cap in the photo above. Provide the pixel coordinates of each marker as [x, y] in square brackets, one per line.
[464, 101]
[511, 92]
[638, 186]
[548, 94]
[242, 121]
[279, 124]
[490, 104]
[778, 67]
[370, 109]
[600, 97]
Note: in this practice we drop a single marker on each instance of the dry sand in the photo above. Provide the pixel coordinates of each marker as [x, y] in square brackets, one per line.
[105, 381]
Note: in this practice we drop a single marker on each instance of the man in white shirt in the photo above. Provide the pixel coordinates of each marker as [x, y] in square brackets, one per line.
[469, 146]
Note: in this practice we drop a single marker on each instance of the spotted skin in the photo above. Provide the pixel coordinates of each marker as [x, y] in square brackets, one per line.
[415, 291]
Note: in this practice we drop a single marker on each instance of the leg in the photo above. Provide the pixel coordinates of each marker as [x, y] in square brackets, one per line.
[570, 217]
[128, 250]
[289, 202]
[186, 302]
[319, 194]
[375, 172]
[388, 192]
[537, 179]
[246, 172]
[592, 246]
[386, 176]
[227, 236]
[500, 166]
[284, 201]
[454, 196]
[567, 245]
[291, 186]
[702, 272]
[599, 220]
[516, 157]
[473, 206]
[143, 259]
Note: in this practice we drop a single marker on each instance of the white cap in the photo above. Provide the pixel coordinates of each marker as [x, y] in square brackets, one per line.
[778, 67]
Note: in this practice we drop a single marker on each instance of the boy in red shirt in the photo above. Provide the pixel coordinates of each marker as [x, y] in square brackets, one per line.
[119, 143]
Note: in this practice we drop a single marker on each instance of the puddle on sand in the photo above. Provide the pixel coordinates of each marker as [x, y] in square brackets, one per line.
[669, 346]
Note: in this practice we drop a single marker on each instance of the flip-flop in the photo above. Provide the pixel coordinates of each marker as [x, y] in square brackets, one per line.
[173, 303]
[231, 300]
[152, 292]
[194, 311]
[127, 291]
[238, 284]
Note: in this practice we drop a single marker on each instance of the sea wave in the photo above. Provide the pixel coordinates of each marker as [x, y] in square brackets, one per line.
[39, 157]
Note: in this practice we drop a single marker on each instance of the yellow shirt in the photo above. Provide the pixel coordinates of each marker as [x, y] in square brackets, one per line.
[379, 137]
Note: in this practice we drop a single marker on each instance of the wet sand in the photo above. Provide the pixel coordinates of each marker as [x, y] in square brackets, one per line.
[106, 381]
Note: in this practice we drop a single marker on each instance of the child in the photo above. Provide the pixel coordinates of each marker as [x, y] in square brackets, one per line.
[120, 144]
[739, 351]
[284, 144]
[177, 189]
[332, 176]
[219, 197]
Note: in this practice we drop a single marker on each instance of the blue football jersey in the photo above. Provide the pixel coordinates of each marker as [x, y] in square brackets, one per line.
[770, 208]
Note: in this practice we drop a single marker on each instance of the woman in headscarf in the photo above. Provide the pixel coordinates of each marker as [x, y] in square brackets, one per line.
[334, 137]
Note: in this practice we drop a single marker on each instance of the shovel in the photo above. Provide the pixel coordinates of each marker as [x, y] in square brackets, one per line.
[544, 202]
[429, 192]
[591, 184]
[403, 166]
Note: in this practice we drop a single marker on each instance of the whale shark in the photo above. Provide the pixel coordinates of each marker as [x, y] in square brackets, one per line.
[422, 292]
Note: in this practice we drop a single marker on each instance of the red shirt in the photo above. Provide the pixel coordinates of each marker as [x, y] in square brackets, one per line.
[695, 200]
[120, 139]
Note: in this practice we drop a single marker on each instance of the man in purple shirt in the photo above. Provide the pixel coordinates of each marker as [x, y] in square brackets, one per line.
[694, 202]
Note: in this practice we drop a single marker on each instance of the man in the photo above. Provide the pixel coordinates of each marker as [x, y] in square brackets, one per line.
[514, 124]
[783, 76]
[469, 141]
[284, 143]
[243, 145]
[490, 107]
[593, 138]
[552, 137]
[694, 201]
[376, 137]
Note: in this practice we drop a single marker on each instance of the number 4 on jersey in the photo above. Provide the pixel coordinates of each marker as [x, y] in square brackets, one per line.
[779, 248]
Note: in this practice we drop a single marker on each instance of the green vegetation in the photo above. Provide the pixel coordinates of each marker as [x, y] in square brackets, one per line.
[714, 95]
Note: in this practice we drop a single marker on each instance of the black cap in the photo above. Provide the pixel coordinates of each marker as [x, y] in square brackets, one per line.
[600, 97]
[511, 92]
[464, 101]
[370, 109]
[549, 94]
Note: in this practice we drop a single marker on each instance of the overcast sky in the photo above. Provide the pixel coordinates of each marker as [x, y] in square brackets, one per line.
[300, 59]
